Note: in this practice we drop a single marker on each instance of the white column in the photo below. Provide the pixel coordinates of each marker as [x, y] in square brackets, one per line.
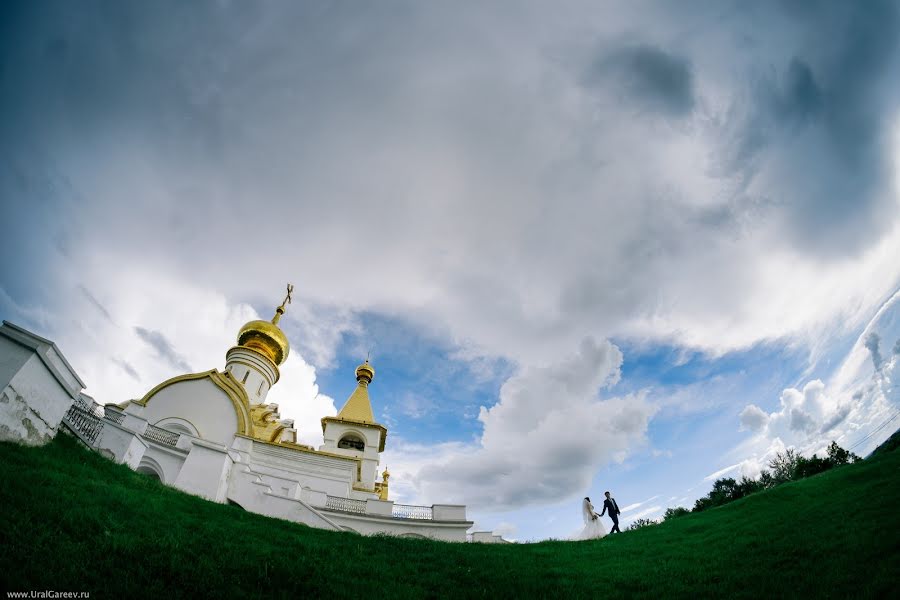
[205, 472]
[120, 444]
[448, 512]
[383, 508]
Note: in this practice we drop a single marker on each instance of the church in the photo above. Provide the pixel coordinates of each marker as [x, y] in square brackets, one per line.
[212, 434]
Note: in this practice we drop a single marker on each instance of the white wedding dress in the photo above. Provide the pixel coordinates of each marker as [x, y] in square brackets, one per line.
[593, 527]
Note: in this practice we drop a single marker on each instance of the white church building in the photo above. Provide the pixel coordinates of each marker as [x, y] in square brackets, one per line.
[212, 434]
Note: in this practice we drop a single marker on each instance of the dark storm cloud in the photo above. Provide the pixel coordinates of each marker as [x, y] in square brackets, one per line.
[815, 140]
[512, 176]
[648, 76]
[163, 347]
[800, 99]
[36, 206]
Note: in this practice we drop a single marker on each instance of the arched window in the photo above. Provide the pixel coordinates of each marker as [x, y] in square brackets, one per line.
[352, 442]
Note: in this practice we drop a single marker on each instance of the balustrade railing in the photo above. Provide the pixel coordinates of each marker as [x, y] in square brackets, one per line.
[408, 511]
[162, 436]
[84, 421]
[398, 511]
[116, 416]
[346, 505]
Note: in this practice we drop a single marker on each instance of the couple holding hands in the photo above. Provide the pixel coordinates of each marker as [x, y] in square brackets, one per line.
[593, 527]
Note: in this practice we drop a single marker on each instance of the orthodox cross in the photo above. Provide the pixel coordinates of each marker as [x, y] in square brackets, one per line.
[287, 300]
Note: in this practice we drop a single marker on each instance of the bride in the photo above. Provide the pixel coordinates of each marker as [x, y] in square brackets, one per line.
[593, 527]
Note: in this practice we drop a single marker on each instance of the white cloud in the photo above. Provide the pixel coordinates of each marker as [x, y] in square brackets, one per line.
[601, 222]
[506, 530]
[753, 418]
[721, 472]
[653, 510]
[543, 441]
[631, 507]
[857, 399]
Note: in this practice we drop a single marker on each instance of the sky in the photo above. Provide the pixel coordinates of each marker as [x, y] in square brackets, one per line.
[589, 246]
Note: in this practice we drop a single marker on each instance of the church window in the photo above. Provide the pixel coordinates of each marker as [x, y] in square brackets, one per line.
[351, 442]
[246, 375]
[259, 391]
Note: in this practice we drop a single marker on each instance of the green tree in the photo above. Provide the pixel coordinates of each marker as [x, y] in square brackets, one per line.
[672, 513]
[784, 465]
[723, 491]
[807, 467]
[766, 481]
[747, 486]
[701, 504]
[838, 456]
[639, 523]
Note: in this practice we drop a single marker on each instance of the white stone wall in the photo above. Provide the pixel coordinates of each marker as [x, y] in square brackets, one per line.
[205, 471]
[37, 386]
[488, 537]
[120, 444]
[294, 470]
[373, 524]
[13, 357]
[247, 490]
[164, 461]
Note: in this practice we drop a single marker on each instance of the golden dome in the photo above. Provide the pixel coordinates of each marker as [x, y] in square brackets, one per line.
[365, 372]
[266, 338]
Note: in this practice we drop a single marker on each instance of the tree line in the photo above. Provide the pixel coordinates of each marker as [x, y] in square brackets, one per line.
[786, 466]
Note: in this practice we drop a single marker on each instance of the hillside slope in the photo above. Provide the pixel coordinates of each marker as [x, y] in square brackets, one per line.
[72, 520]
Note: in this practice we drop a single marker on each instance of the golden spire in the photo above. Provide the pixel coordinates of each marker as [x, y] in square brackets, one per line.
[358, 406]
[265, 337]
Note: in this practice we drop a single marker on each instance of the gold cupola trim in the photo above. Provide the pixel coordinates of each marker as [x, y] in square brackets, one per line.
[265, 337]
[357, 410]
[365, 373]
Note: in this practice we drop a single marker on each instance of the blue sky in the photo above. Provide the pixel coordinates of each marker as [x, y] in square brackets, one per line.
[589, 246]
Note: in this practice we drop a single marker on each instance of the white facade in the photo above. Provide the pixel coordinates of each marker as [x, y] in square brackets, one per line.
[194, 406]
[212, 435]
[37, 386]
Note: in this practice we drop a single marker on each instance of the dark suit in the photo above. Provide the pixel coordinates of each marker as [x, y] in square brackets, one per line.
[613, 508]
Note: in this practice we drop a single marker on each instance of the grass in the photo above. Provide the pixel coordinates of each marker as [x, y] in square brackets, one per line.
[71, 520]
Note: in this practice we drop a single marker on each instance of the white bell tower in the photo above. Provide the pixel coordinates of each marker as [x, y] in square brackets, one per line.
[354, 432]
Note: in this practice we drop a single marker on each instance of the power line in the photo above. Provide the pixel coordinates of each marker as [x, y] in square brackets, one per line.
[876, 430]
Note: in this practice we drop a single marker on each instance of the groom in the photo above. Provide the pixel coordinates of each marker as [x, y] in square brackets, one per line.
[610, 504]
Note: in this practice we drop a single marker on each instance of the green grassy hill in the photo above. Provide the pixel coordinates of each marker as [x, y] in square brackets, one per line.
[72, 520]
